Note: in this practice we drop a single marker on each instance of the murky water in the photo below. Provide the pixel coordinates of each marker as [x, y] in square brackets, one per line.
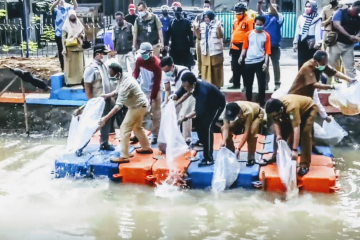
[34, 205]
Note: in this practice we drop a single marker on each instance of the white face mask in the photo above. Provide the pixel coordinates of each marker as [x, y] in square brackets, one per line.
[105, 57]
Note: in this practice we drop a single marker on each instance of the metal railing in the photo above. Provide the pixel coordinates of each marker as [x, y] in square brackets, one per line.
[287, 30]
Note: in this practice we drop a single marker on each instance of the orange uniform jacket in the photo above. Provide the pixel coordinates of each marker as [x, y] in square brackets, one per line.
[240, 29]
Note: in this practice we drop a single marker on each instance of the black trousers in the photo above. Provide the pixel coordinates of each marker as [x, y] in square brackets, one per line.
[250, 71]
[181, 58]
[204, 128]
[238, 70]
[105, 130]
[304, 53]
[58, 41]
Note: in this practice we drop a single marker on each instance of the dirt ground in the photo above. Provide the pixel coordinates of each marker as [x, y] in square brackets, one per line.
[42, 67]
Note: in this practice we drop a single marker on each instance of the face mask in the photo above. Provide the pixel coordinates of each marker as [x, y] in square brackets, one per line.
[72, 20]
[145, 56]
[321, 68]
[178, 15]
[259, 28]
[239, 17]
[165, 13]
[142, 13]
[206, 9]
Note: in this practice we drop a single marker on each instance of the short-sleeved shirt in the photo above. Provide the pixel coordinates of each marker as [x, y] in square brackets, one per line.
[249, 110]
[327, 12]
[61, 15]
[180, 70]
[350, 24]
[296, 107]
[130, 94]
[307, 76]
[257, 46]
[91, 74]
[157, 21]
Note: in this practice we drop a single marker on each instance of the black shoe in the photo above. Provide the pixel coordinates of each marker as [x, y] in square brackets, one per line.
[79, 153]
[250, 162]
[206, 162]
[134, 139]
[302, 171]
[107, 147]
[231, 80]
[154, 140]
[233, 87]
[196, 144]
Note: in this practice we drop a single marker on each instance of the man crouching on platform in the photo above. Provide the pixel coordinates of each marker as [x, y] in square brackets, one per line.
[129, 94]
[294, 116]
[238, 116]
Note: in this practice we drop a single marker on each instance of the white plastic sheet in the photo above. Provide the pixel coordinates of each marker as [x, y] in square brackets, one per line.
[347, 99]
[80, 135]
[287, 168]
[170, 140]
[226, 170]
[72, 132]
[331, 133]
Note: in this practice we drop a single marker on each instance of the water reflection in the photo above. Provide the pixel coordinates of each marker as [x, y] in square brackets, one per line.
[34, 205]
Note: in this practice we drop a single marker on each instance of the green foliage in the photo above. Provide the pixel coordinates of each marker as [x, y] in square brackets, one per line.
[2, 13]
[33, 46]
[48, 34]
[35, 19]
[6, 48]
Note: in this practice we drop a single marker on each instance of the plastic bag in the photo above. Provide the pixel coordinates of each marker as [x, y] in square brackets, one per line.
[282, 91]
[72, 132]
[170, 140]
[226, 170]
[347, 99]
[286, 168]
[330, 133]
[88, 123]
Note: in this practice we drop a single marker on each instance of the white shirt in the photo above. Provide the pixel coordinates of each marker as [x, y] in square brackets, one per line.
[314, 30]
[316, 100]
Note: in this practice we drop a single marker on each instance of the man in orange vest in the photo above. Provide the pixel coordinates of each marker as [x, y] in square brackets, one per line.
[242, 24]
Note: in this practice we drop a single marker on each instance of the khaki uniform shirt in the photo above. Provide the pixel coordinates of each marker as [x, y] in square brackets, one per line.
[130, 94]
[295, 107]
[326, 13]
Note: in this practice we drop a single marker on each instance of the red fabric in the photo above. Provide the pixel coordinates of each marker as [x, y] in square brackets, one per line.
[152, 65]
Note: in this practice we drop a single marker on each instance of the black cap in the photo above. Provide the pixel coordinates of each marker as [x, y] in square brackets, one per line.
[100, 48]
[232, 110]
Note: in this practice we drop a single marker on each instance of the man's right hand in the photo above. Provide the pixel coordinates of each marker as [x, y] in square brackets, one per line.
[172, 97]
[353, 38]
[240, 60]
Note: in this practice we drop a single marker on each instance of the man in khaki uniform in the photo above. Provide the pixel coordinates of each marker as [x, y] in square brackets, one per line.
[293, 117]
[238, 116]
[326, 17]
[129, 94]
[148, 28]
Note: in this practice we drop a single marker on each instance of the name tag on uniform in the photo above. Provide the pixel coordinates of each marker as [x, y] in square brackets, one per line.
[149, 28]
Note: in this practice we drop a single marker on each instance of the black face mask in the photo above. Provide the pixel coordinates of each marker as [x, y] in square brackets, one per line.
[165, 13]
[72, 20]
[178, 16]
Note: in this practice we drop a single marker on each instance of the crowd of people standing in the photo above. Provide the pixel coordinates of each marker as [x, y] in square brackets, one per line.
[158, 51]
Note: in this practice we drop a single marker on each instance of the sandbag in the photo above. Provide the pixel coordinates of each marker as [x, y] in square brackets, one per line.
[170, 140]
[88, 123]
[226, 170]
[347, 99]
[330, 133]
[286, 168]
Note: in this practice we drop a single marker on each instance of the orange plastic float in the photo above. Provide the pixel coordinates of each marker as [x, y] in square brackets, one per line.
[160, 170]
[139, 169]
[320, 178]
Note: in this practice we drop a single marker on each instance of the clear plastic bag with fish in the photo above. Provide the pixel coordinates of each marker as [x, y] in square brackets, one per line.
[74, 124]
[170, 140]
[330, 133]
[226, 170]
[346, 99]
[287, 169]
[87, 124]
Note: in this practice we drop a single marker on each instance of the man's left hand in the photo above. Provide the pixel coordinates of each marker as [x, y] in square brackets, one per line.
[264, 67]
[102, 122]
[294, 155]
